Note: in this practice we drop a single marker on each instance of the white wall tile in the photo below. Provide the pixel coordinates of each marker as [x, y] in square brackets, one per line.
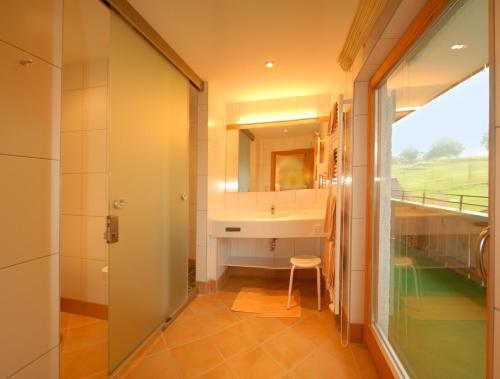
[232, 113]
[95, 151]
[360, 98]
[202, 157]
[306, 196]
[29, 200]
[305, 246]
[71, 152]
[247, 200]
[31, 105]
[231, 200]
[358, 248]
[285, 248]
[95, 73]
[201, 262]
[94, 288]
[72, 75]
[266, 199]
[34, 26]
[202, 193]
[285, 198]
[94, 108]
[360, 141]
[359, 192]
[307, 104]
[202, 122]
[72, 110]
[71, 235]
[71, 277]
[47, 367]
[71, 194]
[30, 309]
[94, 195]
[288, 106]
[357, 298]
[201, 228]
[324, 105]
[246, 247]
[93, 243]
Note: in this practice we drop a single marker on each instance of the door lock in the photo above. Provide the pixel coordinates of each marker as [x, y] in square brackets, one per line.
[112, 232]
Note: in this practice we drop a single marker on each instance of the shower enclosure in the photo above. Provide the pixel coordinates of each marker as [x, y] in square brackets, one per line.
[148, 186]
[133, 185]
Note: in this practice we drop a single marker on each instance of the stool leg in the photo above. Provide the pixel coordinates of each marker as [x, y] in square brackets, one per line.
[290, 288]
[415, 281]
[318, 280]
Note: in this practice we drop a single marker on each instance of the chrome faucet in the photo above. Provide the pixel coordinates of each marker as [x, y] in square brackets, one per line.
[273, 209]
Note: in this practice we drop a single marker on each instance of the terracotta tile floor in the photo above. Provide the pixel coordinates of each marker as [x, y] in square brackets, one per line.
[84, 347]
[208, 340]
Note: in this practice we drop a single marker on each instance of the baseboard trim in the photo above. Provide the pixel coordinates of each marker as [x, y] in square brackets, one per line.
[84, 308]
[356, 333]
[212, 286]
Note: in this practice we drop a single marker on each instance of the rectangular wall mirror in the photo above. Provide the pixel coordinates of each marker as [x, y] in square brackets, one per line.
[277, 156]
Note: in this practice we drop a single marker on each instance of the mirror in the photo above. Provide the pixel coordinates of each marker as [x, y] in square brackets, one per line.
[277, 156]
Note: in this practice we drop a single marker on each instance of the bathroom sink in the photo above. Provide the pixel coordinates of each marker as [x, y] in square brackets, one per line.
[267, 225]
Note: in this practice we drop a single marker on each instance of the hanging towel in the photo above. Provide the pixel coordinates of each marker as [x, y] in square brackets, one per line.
[330, 217]
[328, 263]
[329, 249]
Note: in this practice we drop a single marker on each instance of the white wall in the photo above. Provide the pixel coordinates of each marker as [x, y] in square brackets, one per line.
[211, 161]
[84, 176]
[30, 97]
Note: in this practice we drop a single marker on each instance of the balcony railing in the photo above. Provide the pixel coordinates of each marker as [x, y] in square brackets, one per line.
[460, 202]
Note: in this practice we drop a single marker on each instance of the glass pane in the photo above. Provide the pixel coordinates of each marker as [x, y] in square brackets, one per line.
[432, 198]
[148, 168]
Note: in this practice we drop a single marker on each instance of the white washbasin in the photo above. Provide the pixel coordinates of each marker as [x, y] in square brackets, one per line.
[267, 225]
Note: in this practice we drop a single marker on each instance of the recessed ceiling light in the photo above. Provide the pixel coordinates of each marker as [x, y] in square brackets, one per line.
[458, 46]
[269, 64]
[285, 130]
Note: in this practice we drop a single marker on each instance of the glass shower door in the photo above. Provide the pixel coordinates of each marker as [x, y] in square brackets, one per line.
[431, 199]
[147, 187]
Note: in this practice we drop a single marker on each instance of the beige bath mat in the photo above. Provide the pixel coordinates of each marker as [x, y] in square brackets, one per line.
[446, 308]
[267, 303]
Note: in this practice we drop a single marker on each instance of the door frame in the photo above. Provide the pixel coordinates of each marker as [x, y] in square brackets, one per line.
[381, 355]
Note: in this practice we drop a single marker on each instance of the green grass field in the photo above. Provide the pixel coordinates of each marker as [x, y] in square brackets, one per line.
[457, 176]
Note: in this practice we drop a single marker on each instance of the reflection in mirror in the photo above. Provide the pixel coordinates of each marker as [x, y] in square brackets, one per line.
[277, 156]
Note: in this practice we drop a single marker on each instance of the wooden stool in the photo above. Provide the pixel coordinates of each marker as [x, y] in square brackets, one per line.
[305, 261]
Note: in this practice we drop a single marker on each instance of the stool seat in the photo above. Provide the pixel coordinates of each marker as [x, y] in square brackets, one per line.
[305, 261]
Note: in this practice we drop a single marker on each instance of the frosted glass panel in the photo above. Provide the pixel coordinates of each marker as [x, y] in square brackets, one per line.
[148, 147]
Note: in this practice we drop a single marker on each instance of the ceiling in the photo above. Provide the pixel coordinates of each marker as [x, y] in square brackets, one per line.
[227, 43]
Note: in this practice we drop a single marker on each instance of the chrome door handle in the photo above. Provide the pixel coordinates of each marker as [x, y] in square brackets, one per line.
[482, 241]
[119, 204]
